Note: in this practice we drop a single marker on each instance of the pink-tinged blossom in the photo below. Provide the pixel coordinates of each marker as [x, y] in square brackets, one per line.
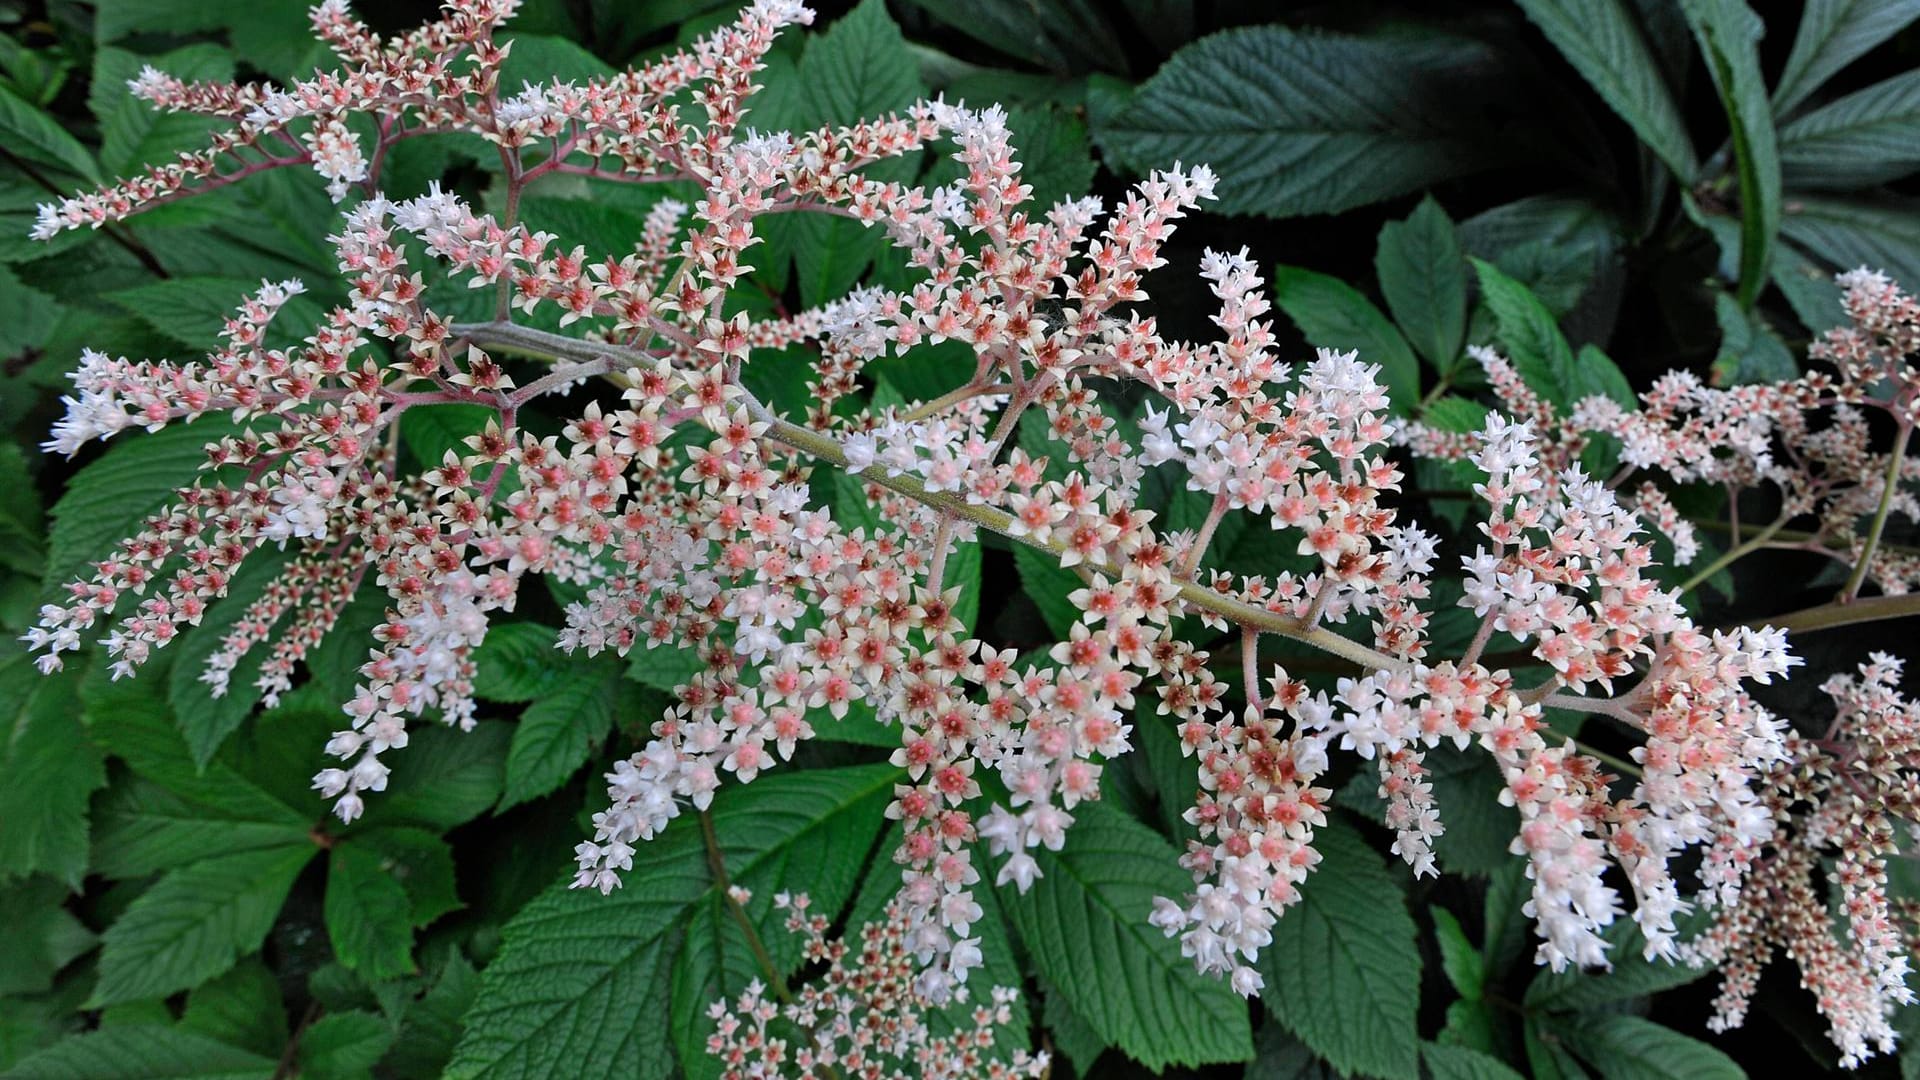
[688, 515]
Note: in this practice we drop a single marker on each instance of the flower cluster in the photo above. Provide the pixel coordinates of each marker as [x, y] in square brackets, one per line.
[861, 1018]
[1844, 796]
[689, 514]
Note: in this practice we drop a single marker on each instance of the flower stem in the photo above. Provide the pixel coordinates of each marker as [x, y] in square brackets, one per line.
[1733, 554]
[1891, 484]
[718, 866]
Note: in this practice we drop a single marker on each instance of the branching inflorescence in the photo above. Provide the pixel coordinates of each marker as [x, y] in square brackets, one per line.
[686, 511]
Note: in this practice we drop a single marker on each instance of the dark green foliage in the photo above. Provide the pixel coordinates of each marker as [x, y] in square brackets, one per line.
[1571, 180]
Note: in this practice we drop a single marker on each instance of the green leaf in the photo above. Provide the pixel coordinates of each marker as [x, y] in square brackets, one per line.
[1084, 921]
[581, 982]
[1302, 122]
[32, 317]
[557, 733]
[343, 1045]
[52, 768]
[133, 133]
[1280, 1056]
[450, 777]
[44, 935]
[1463, 1063]
[422, 863]
[1423, 276]
[1531, 335]
[1834, 33]
[1470, 1024]
[204, 719]
[274, 37]
[998, 965]
[429, 431]
[432, 1024]
[107, 500]
[1633, 1048]
[1566, 249]
[542, 58]
[1604, 42]
[368, 914]
[1508, 928]
[143, 1052]
[1343, 971]
[1458, 958]
[1055, 158]
[1810, 290]
[518, 662]
[1333, 315]
[1060, 36]
[193, 310]
[35, 136]
[195, 922]
[1750, 352]
[859, 68]
[1466, 784]
[1848, 233]
[1729, 35]
[1074, 1038]
[1866, 138]
[22, 523]
[717, 962]
[142, 828]
[241, 1008]
[1048, 584]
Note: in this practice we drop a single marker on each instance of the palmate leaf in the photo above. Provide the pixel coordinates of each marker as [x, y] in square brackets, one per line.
[31, 133]
[1308, 123]
[1606, 46]
[343, 1045]
[1343, 971]
[1882, 233]
[1061, 36]
[717, 962]
[195, 922]
[1084, 922]
[1423, 276]
[1832, 34]
[143, 1052]
[1863, 139]
[241, 1008]
[193, 310]
[583, 981]
[52, 768]
[1750, 352]
[573, 702]
[367, 914]
[1621, 1047]
[1463, 1063]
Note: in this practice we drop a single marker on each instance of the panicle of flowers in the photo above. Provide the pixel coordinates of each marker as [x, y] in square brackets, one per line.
[862, 1017]
[1843, 796]
[691, 515]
